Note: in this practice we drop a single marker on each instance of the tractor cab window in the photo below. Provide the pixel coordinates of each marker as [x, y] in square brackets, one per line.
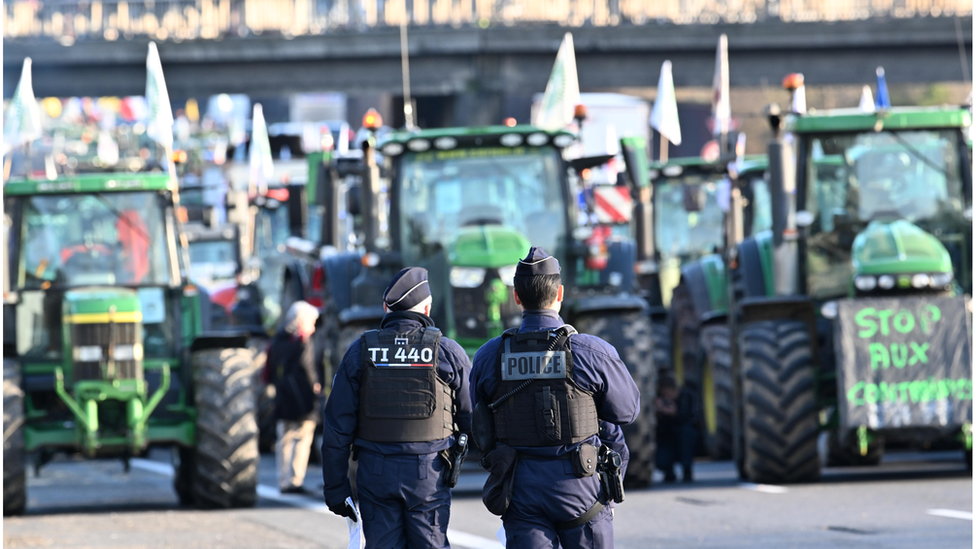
[213, 261]
[443, 191]
[93, 239]
[270, 230]
[682, 233]
[852, 179]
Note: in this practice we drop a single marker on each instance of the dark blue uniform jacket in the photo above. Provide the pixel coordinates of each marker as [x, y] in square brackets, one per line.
[342, 408]
[596, 368]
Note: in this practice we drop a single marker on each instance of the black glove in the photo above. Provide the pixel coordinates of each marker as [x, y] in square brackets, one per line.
[344, 510]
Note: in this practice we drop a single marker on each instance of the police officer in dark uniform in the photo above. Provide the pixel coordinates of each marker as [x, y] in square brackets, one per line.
[400, 399]
[551, 394]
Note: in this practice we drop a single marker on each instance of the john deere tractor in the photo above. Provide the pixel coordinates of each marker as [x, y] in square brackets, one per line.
[105, 349]
[467, 203]
[853, 313]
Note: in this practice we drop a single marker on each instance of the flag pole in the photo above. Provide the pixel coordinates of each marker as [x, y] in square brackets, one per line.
[664, 148]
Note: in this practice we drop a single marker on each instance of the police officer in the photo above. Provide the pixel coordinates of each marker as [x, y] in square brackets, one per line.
[553, 394]
[400, 398]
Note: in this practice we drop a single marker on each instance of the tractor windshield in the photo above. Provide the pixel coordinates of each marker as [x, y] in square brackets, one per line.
[213, 261]
[270, 230]
[687, 234]
[852, 179]
[93, 239]
[517, 187]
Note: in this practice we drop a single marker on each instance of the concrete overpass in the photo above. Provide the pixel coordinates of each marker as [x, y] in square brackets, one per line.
[484, 68]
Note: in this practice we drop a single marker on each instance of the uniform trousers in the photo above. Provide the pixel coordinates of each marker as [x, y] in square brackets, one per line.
[404, 500]
[291, 451]
[546, 492]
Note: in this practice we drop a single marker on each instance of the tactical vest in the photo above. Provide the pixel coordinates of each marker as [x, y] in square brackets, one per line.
[539, 402]
[401, 397]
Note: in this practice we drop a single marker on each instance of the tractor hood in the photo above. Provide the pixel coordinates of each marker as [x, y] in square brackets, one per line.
[489, 246]
[98, 305]
[895, 247]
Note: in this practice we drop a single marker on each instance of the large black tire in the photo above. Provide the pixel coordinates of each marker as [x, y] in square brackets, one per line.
[780, 424]
[14, 477]
[630, 334]
[842, 453]
[226, 454]
[661, 344]
[717, 391]
[685, 326]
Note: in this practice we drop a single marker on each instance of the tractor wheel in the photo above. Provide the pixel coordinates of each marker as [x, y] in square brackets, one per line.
[630, 334]
[227, 433]
[267, 426]
[184, 466]
[717, 397]
[661, 343]
[780, 424]
[685, 333]
[14, 478]
[840, 454]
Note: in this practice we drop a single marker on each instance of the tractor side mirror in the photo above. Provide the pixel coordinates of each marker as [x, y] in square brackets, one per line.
[693, 198]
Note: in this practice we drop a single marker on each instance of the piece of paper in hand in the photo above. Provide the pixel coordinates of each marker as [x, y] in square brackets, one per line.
[500, 535]
[355, 527]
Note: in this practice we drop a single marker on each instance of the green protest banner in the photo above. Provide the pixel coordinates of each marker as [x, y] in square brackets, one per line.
[904, 362]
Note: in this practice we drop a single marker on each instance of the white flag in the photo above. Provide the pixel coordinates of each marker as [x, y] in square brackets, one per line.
[867, 100]
[107, 149]
[664, 116]
[23, 120]
[261, 167]
[562, 92]
[721, 108]
[160, 126]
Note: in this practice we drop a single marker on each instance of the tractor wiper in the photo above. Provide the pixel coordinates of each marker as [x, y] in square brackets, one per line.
[918, 154]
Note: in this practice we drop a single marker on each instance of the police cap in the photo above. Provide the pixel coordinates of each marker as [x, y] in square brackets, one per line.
[537, 262]
[407, 289]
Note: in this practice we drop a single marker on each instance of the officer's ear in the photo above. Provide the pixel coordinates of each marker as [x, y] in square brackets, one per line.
[559, 294]
[515, 294]
[385, 308]
[427, 309]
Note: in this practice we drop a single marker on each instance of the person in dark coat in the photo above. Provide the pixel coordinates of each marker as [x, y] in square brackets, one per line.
[291, 367]
[399, 401]
[677, 428]
[550, 502]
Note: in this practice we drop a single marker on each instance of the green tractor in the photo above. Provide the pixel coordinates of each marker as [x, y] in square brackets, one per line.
[467, 203]
[853, 313]
[686, 282]
[105, 346]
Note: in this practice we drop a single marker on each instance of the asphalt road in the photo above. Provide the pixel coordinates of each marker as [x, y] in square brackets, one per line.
[912, 500]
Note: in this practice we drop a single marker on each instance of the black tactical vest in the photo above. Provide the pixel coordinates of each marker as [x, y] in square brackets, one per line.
[545, 407]
[401, 397]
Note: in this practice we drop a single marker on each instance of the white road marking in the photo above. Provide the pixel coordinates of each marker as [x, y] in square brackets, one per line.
[764, 488]
[459, 539]
[950, 513]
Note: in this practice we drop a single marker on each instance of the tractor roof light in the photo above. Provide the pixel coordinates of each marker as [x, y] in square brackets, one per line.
[865, 283]
[579, 113]
[920, 281]
[392, 149]
[793, 81]
[941, 280]
[886, 282]
[372, 120]
[510, 122]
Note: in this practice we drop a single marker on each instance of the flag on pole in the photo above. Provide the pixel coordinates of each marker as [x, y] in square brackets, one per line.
[867, 100]
[261, 167]
[664, 116]
[562, 91]
[160, 126]
[23, 120]
[721, 108]
[883, 101]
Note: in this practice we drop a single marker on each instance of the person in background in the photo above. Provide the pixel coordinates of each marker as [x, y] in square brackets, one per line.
[677, 428]
[291, 367]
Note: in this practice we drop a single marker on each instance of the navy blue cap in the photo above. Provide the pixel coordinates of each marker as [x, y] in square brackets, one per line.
[407, 289]
[537, 262]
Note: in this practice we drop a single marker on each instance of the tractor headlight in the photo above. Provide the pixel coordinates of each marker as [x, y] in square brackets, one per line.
[829, 309]
[920, 281]
[886, 282]
[941, 280]
[507, 274]
[127, 352]
[865, 283]
[88, 353]
[467, 277]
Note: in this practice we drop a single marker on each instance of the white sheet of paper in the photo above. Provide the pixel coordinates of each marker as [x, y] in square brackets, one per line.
[500, 534]
[356, 540]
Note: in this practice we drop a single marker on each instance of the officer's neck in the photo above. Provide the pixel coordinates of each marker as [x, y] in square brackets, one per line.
[394, 316]
[540, 312]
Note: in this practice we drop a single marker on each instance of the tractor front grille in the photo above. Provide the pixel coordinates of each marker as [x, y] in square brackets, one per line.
[104, 336]
[471, 310]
